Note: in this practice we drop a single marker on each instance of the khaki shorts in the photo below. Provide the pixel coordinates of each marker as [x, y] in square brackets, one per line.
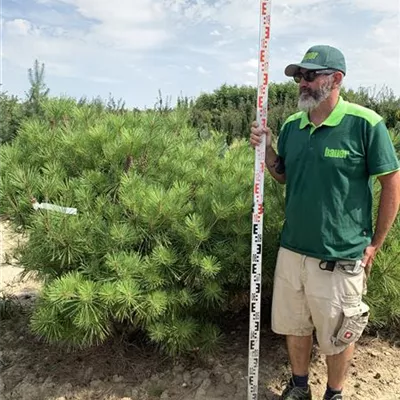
[306, 297]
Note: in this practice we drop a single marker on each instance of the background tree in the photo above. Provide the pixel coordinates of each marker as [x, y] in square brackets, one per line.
[231, 109]
[38, 91]
[11, 116]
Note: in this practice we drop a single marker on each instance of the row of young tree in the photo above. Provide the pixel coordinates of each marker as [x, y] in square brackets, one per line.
[229, 109]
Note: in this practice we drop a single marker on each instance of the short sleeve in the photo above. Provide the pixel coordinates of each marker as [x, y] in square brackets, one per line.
[381, 154]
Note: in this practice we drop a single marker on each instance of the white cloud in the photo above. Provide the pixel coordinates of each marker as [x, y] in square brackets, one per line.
[119, 12]
[104, 79]
[203, 50]
[198, 10]
[202, 70]
[138, 25]
[18, 26]
[215, 33]
[38, 43]
[223, 42]
[74, 52]
[135, 67]
[241, 66]
[238, 14]
[387, 32]
[122, 24]
[129, 38]
[231, 14]
[243, 15]
[373, 68]
[301, 19]
[105, 42]
[253, 63]
[387, 6]
[61, 69]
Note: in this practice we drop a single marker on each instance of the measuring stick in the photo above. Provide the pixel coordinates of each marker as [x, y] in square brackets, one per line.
[258, 208]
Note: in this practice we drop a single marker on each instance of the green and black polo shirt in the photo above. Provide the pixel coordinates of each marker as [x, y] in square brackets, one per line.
[328, 177]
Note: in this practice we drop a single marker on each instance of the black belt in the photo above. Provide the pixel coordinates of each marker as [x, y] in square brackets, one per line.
[344, 265]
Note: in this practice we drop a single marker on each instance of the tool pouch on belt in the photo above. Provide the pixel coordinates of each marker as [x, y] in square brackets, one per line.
[354, 322]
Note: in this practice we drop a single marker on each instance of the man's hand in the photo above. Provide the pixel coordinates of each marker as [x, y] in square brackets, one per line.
[274, 163]
[368, 259]
[256, 134]
[388, 208]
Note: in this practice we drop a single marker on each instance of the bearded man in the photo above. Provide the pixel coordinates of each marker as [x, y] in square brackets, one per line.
[328, 154]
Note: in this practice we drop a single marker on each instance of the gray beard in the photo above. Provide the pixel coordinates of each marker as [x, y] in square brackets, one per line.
[311, 99]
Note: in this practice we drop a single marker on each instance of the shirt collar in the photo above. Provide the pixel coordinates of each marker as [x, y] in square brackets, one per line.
[334, 118]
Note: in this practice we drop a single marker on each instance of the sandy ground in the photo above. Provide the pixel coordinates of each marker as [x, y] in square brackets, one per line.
[133, 370]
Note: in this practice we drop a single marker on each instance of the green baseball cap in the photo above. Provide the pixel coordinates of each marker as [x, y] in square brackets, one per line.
[319, 57]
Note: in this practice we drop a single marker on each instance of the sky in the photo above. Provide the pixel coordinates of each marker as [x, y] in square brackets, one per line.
[131, 49]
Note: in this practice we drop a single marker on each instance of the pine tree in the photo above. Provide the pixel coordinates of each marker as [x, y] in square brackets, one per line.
[38, 91]
[161, 241]
[11, 113]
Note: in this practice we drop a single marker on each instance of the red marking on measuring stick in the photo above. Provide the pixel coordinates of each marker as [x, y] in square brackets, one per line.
[258, 200]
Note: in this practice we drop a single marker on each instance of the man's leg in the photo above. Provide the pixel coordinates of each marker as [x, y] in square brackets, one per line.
[299, 348]
[338, 366]
[291, 317]
[335, 300]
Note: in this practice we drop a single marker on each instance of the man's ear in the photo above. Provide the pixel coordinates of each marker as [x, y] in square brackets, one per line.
[338, 79]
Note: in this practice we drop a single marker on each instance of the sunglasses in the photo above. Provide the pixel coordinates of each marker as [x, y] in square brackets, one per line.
[310, 76]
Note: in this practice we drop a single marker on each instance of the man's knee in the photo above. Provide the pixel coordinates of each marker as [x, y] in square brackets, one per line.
[335, 299]
[335, 335]
[290, 312]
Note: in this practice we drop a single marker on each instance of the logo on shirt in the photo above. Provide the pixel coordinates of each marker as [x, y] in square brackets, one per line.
[336, 153]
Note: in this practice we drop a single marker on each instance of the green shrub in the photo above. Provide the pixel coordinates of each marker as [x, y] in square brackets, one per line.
[383, 295]
[162, 236]
[11, 115]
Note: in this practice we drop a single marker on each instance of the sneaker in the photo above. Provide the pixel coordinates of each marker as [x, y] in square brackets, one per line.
[293, 392]
[336, 397]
